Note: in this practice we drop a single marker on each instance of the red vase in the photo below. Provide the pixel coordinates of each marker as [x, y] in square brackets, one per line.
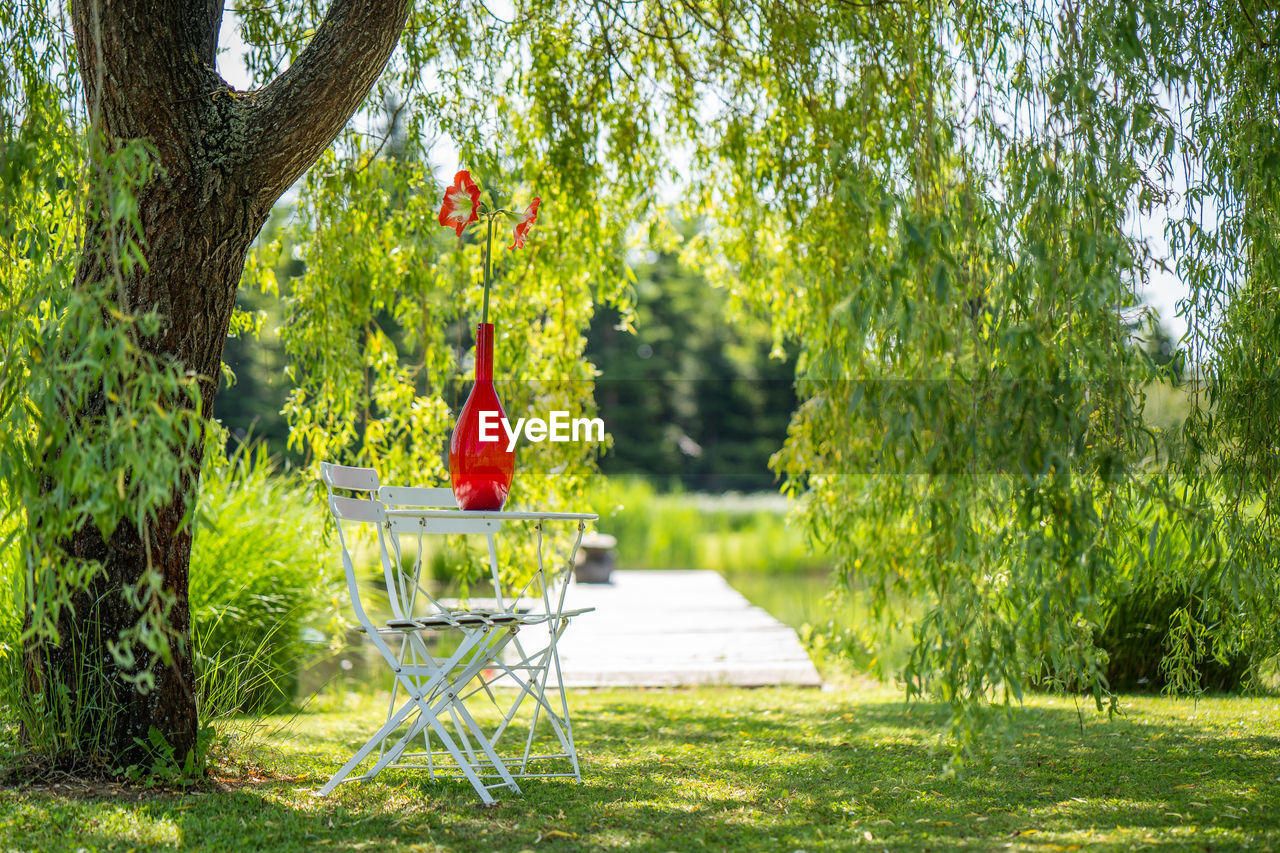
[481, 470]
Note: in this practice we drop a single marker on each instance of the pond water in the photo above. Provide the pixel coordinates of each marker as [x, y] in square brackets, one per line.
[800, 599]
[793, 598]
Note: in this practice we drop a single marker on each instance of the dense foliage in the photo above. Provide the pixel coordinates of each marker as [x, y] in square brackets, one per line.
[934, 203]
[1225, 246]
[970, 389]
[972, 394]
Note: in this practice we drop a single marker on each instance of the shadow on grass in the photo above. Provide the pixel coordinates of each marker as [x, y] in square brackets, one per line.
[767, 770]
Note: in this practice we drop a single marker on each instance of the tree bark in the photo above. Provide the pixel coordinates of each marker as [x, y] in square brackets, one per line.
[224, 158]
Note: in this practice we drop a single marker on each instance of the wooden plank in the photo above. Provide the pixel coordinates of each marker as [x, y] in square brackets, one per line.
[677, 628]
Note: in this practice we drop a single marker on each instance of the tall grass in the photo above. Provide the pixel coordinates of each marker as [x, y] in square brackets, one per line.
[10, 611]
[260, 576]
[49, 722]
[729, 533]
[1179, 616]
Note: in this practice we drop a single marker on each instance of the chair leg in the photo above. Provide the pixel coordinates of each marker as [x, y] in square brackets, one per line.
[394, 720]
[482, 655]
[387, 728]
[396, 683]
[467, 769]
[429, 716]
[564, 701]
[485, 745]
[537, 665]
[424, 713]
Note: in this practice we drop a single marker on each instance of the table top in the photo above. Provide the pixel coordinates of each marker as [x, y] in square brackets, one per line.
[503, 515]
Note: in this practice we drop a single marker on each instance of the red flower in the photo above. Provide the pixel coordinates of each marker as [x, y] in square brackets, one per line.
[461, 204]
[523, 222]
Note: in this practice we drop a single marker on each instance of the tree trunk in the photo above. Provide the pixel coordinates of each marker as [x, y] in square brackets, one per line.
[225, 158]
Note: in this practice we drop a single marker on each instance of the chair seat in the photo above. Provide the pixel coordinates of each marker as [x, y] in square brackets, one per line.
[539, 618]
[470, 619]
[527, 610]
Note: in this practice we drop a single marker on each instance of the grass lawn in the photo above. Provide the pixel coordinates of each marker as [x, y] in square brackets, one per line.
[736, 769]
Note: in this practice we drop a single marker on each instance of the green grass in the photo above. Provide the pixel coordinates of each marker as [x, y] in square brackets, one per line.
[720, 769]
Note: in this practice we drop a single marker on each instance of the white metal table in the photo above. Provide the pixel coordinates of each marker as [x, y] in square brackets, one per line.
[518, 657]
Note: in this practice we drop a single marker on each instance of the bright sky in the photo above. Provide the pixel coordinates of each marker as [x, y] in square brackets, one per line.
[231, 50]
[1165, 288]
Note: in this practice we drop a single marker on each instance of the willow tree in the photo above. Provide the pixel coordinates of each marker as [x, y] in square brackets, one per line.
[943, 203]
[934, 202]
[216, 161]
[122, 293]
[1226, 243]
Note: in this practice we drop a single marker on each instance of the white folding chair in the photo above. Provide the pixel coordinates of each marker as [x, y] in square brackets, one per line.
[432, 683]
[518, 671]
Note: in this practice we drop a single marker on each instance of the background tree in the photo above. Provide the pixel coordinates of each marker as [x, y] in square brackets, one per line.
[689, 390]
[253, 390]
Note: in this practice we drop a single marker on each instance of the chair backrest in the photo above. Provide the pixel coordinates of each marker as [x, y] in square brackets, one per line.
[349, 478]
[414, 497]
[363, 512]
[370, 511]
[419, 497]
[352, 509]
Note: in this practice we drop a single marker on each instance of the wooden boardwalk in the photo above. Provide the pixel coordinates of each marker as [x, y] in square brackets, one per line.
[677, 628]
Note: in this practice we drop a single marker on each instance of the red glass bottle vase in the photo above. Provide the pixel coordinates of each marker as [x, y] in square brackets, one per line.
[480, 470]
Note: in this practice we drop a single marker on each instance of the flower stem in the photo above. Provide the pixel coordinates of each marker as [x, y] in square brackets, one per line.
[488, 263]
